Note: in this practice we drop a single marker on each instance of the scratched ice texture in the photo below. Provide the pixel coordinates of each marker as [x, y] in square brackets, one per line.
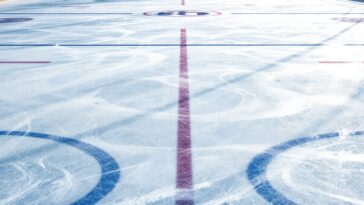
[124, 100]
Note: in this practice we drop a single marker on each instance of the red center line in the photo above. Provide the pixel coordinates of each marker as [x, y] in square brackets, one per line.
[184, 179]
[24, 62]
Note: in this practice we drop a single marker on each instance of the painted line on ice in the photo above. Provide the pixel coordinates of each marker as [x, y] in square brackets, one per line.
[183, 3]
[184, 178]
[110, 171]
[349, 20]
[73, 13]
[24, 62]
[177, 45]
[257, 168]
[339, 62]
[76, 6]
[182, 13]
[303, 13]
[354, 44]
[14, 20]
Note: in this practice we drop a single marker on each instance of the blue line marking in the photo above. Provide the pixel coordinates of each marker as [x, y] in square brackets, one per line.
[14, 20]
[177, 45]
[292, 13]
[352, 44]
[129, 13]
[110, 172]
[257, 168]
[361, 1]
[5, 13]
[170, 45]
[245, 45]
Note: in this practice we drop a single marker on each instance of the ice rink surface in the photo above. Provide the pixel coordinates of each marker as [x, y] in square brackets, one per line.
[181, 102]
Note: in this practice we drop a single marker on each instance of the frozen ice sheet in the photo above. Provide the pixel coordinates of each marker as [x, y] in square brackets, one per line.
[291, 69]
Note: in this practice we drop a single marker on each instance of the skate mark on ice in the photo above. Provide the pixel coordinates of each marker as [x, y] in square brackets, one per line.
[110, 171]
[257, 168]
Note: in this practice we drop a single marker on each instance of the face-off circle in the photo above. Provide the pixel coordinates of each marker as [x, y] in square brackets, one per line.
[110, 173]
[14, 20]
[181, 13]
[257, 168]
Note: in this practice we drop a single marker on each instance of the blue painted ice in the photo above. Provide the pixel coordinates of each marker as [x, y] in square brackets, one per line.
[261, 73]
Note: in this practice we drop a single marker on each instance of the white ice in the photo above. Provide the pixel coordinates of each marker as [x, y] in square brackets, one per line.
[124, 100]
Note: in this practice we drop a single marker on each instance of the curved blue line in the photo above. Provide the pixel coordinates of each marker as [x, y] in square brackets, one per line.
[257, 168]
[110, 172]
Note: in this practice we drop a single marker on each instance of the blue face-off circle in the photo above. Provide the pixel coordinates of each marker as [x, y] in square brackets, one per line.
[14, 20]
[257, 168]
[110, 172]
